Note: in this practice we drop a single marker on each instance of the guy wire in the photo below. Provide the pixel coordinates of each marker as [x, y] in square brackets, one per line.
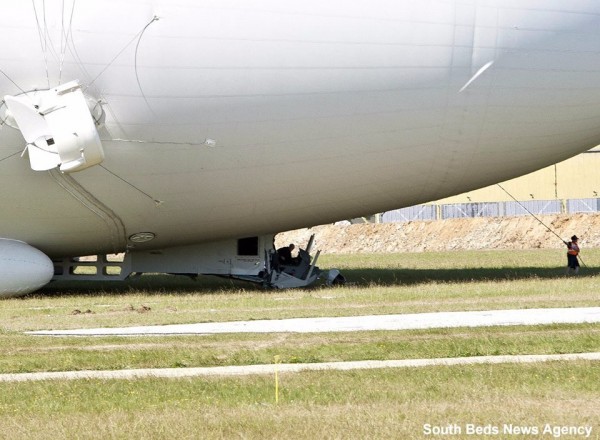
[43, 34]
[530, 213]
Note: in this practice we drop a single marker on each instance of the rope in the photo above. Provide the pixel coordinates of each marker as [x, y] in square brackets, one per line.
[534, 216]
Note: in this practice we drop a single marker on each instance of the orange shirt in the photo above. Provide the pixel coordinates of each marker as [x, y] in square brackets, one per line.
[573, 248]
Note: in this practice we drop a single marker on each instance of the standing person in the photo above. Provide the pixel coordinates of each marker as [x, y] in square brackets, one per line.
[572, 252]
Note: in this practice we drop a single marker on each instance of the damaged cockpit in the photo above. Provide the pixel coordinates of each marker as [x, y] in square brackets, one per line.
[300, 271]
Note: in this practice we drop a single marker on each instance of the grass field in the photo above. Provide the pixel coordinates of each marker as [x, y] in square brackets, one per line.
[393, 403]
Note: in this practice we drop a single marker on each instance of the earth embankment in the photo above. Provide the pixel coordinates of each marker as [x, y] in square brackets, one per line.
[452, 234]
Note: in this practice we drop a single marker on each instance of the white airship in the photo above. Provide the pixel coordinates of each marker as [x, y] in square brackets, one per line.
[188, 133]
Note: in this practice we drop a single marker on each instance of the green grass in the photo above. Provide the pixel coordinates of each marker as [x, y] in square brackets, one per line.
[393, 403]
[377, 284]
[21, 353]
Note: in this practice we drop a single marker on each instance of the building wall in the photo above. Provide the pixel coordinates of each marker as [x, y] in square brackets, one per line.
[575, 178]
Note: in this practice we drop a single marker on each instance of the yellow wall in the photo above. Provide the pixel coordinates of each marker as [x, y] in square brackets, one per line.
[575, 178]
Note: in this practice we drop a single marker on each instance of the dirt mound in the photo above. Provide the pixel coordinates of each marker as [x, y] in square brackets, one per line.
[447, 235]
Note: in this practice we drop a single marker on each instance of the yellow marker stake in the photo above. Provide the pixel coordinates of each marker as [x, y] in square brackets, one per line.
[276, 359]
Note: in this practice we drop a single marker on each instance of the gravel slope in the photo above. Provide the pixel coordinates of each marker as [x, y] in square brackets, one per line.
[445, 235]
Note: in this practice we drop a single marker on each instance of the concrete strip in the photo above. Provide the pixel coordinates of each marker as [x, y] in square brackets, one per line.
[245, 370]
[356, 323]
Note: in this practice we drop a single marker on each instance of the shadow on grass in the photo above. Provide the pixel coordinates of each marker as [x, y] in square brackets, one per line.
[170, 284]
[149, 284]
[403, 277]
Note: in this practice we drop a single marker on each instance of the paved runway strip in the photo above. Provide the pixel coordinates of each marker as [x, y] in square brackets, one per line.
[338, 324]
[356, 323]
[244, 370]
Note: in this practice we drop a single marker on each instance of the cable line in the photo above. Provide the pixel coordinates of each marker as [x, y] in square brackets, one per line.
[534, 216]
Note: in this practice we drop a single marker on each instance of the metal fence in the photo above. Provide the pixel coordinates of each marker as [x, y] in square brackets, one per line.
[491, 209]
[419, 212]
[583, 205]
